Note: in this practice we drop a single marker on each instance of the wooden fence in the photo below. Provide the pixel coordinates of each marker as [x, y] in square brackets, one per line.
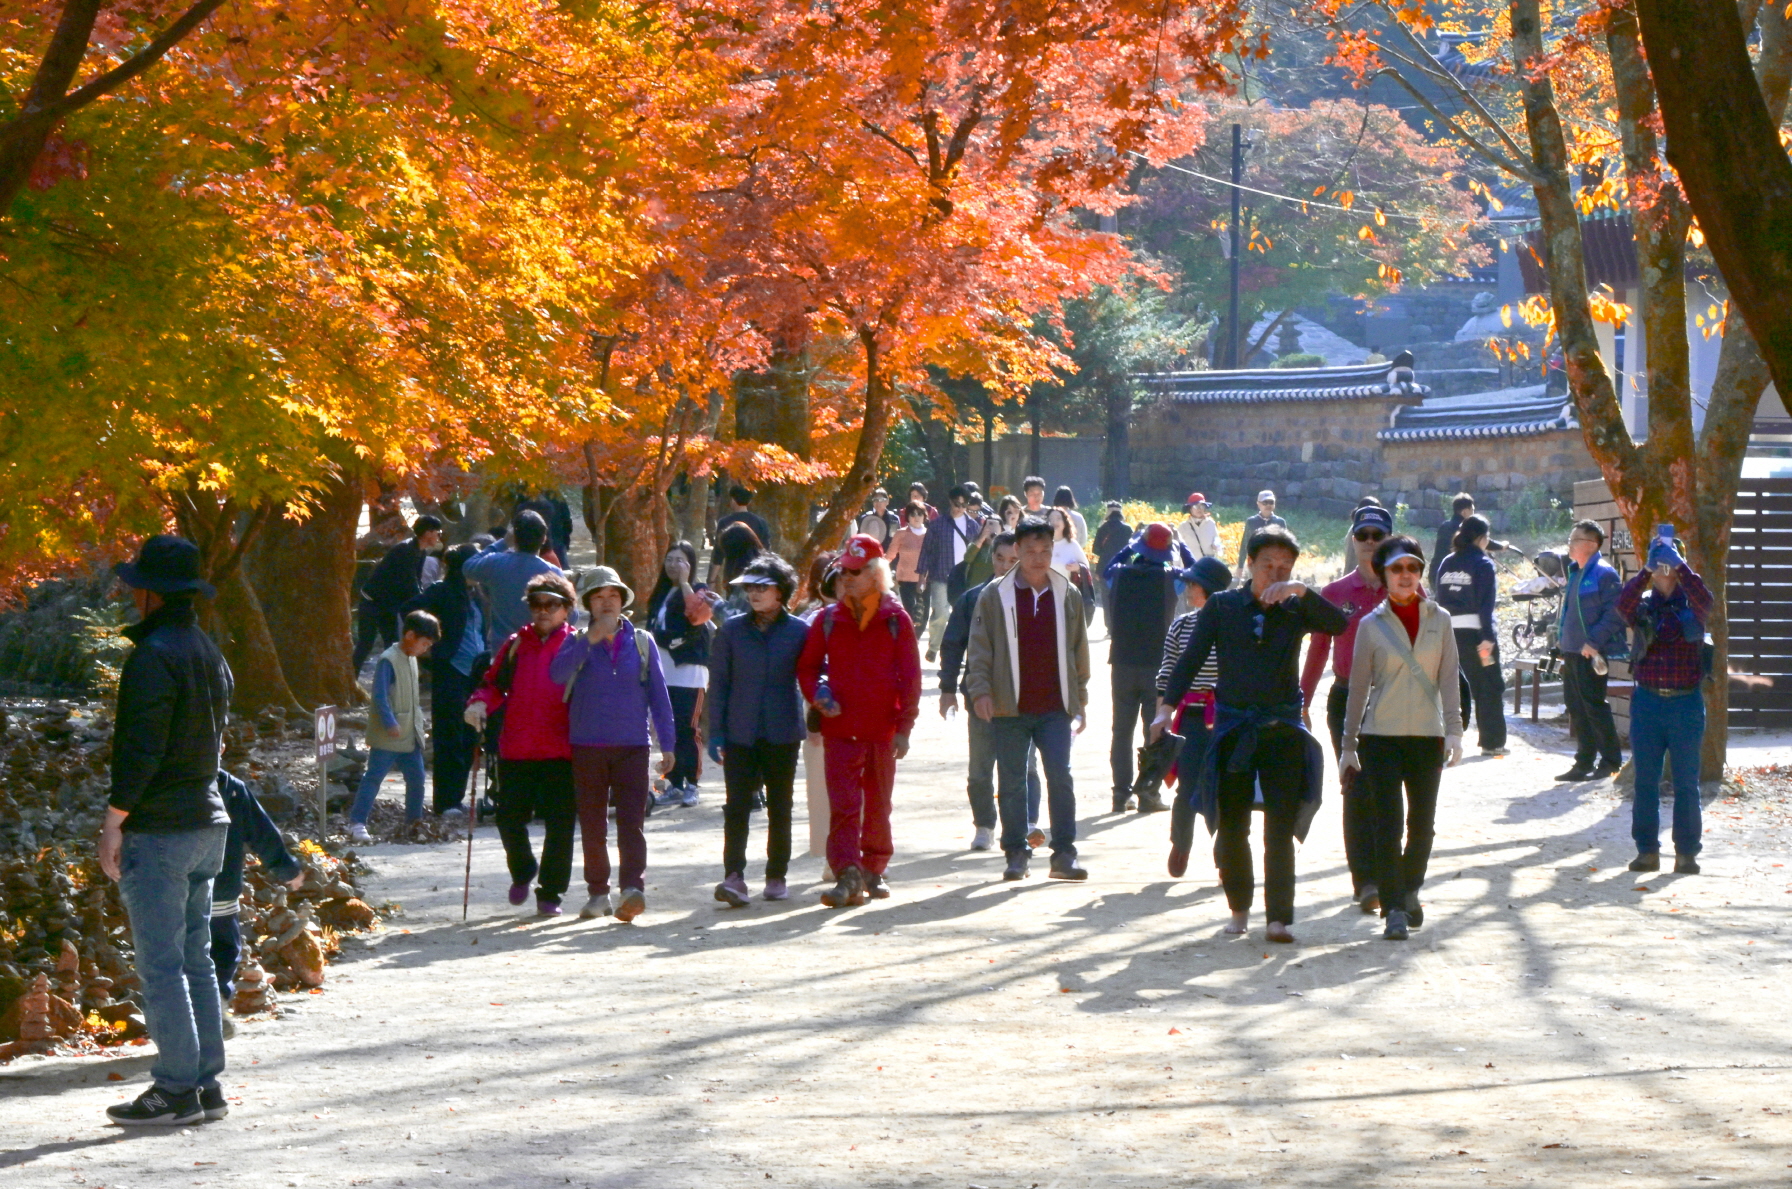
[1759, 598]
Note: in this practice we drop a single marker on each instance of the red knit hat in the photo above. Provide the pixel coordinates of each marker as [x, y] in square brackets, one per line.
[860, 552]
[1158, 535]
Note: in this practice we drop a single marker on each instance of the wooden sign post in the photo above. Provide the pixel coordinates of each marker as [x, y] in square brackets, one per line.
[323, 733]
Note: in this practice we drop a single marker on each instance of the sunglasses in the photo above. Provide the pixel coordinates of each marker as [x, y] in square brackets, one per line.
[1370, 534]
[1405, 567]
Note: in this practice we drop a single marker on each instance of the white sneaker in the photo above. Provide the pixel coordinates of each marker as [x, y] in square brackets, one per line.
[453, 813]
[597, 906]
[358, 833]
[983, 839]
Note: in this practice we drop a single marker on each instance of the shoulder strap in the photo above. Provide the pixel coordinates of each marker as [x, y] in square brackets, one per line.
[644, 646]
[1404, 649]
[507, 664]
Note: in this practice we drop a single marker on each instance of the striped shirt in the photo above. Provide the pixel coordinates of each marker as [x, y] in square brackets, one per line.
[1175, 644]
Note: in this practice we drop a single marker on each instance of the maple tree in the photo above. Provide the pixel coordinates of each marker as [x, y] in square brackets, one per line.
[1568, 86]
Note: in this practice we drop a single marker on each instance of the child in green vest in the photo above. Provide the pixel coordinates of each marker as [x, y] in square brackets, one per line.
[395, 725]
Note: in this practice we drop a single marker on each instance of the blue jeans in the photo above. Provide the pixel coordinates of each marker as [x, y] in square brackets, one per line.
[981, 786]
[1672, 728]
[378, 764]
[1014, 737]
[166, 885]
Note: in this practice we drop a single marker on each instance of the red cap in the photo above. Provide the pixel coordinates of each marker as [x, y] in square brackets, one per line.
[1158, 535]
[1194, 497]
[860, 552]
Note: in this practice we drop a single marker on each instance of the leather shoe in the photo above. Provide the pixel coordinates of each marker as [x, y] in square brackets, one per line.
[1064, 867]
[1017, 867]
[1648, 860]
[1574, 775]
[1685, 865]
[1178, 861]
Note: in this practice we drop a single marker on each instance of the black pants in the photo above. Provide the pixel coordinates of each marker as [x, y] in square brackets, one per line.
[747, 768]
[686, 760]
[1484, 686]
[373, 623]
[1392, 763]
[1594, 730]
[1135, 704]
[450, 736]
[1280, 765]
[914, 601]
[527, 788]
[1358, 827]
[227, 951]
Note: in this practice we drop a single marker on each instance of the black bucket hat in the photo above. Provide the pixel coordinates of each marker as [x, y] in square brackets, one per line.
[167, 565]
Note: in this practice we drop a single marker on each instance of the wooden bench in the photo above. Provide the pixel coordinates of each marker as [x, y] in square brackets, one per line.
[1519, 670]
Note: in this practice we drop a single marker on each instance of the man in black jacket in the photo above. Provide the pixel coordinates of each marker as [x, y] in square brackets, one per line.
[1461, 508]
[163, 840]
[1142, 602]
[395, 581]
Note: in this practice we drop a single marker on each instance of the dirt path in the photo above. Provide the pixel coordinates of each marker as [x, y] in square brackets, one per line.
[1556, 1021]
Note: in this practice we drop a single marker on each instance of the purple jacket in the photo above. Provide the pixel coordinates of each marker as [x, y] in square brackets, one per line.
[610, 704]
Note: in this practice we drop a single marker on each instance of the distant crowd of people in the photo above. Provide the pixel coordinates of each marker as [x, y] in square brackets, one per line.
[583, 705]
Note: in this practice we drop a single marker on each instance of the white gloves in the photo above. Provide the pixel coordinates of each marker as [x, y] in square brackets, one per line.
[1348, 761]
[475, 715]
[1453, 745]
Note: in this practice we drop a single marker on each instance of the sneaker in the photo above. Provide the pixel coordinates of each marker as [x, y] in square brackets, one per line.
[1396, 930]
[156, 1107]
[546, 908]
[454, 813]
[877, 887]
[776, 889]
[1646, 860]
[1575, 775]
[1017, 867]
[519, 892]
[1035, 838]
[211, 1101]
[358, 833]
[229, 1028]
[1494, 751]
[849, 892]
[596, 906]
[1064, 867]
[983, 839]
[672, 796]
[1150, 802]
[1685, 865]
[689, 800]
[632, 905]
[732, 891]
[932, 656]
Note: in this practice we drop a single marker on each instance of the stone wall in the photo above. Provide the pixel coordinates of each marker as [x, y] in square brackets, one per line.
[1323, 456]
[1318, 454]
[1499, 472]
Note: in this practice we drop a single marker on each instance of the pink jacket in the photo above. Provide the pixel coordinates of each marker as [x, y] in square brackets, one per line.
[905, 554]
[535, 716]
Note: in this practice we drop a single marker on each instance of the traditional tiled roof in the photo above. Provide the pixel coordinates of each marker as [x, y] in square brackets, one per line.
[1262, 385]
[1508, 413]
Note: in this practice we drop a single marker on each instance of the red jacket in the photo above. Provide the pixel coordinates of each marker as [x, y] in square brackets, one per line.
[875, 673]
[535, 720]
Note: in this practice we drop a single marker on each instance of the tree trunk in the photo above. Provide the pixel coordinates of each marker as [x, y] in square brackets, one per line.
[774, 406]
[301, 573]
[855, 486]
[938, 442]
[1116, 452]
[1724, 143]
[235, 620]
[1034, 413]
[989, 447]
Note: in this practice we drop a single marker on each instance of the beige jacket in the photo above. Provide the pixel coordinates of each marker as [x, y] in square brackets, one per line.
[1386, 697]
[403, 696]
[992, 660]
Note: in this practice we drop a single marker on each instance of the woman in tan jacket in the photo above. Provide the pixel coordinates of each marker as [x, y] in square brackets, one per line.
[1402, 723]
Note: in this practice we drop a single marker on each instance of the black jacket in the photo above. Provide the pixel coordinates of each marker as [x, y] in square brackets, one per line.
[1468, 584]
[250, 829]
[1110, 539]
[1139, 613]
[449, 604]
[957, 638]
[396, 579]
[1445, 545]
[686, 643]
[1256, 670]
[173, 702]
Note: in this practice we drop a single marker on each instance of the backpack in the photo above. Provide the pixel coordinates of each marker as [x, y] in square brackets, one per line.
[827, 624]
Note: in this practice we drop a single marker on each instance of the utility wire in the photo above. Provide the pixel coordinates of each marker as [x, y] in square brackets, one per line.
[1206, 177]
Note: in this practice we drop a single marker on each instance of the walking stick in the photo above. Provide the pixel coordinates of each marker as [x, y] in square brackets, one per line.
[466, 890]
